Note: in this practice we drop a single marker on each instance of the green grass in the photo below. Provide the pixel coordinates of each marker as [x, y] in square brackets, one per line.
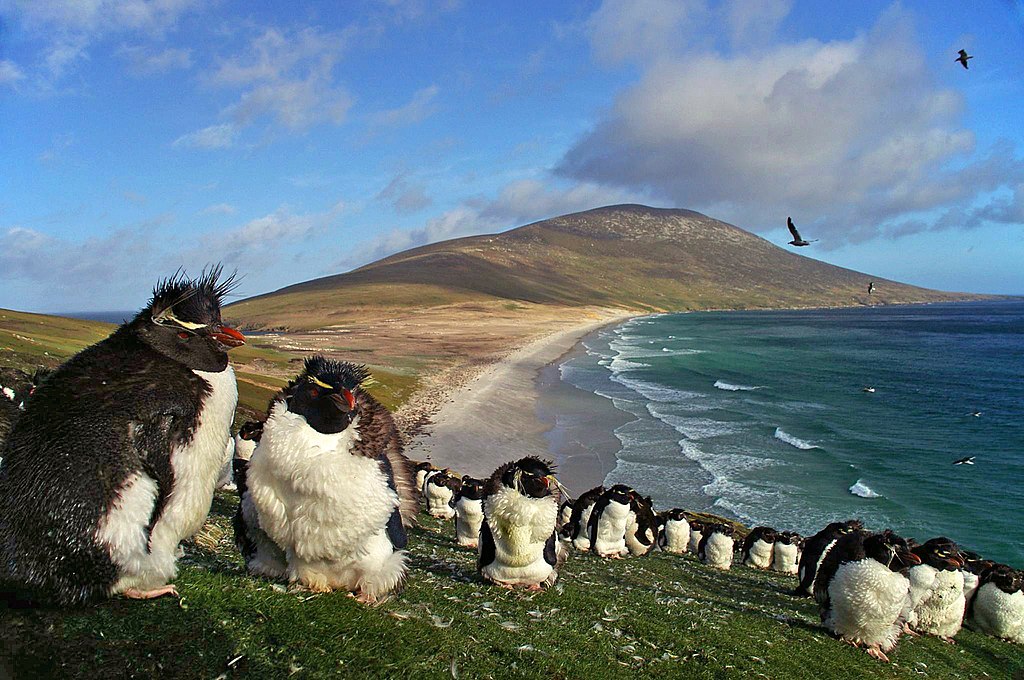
[659, 615]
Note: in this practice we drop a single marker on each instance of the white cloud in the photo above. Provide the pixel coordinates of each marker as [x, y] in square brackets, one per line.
[622, 30]
[9, 72]
[417, 109]
[853, 130]
[219, 209]
[144, 60]
[404, 197]
[754, 21]
[214, 137]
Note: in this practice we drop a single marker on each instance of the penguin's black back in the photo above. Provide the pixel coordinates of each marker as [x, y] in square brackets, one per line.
[114, 409]
[813, 549]
[849, 548]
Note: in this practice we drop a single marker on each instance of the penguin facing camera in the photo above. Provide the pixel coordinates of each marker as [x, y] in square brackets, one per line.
[607, 524]
[759, 547]
[997, 608]
[423, 468]
[440, 489]
[863, 591]
[578, 528]
[518, 541]
[469, 512]
[675, 532]
[330, 484]
[786, 552]
[248, 438]
[937, 589]
[564, 513]
[114, 460]
[716, 546]
[974, 567]
[816, 548]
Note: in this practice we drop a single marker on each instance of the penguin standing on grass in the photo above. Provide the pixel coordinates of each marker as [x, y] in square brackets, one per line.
[816, 548]
[863, 591]
[331, 486]
[642, 526]
[675, 532]
[997, 608]
[440, 490]
[759, 547]
[518, 541]
[578, 529]
[423, 468]
[696, 534]
[115, 458]
[247, 439]
[786, 552]
[937, 589]
[262, 556]
[607, 525]
[469, 512]
[716, 546]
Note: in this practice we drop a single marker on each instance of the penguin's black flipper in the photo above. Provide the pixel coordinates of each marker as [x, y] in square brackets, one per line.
[849, 548]
[151, 441]
[551, 550]
[487, 549]
[396, 530]
[243, 540]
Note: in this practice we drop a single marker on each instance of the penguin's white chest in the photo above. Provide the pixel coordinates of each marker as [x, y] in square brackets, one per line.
[718, 551]
[314, 497]
[677, 535]
[611, 530]
[938, 600]
[868, 603]
[520, 526]
[439, 500]
[469, 514]
[760, 554]
[197, 464]
[999, 614]
[785, 558]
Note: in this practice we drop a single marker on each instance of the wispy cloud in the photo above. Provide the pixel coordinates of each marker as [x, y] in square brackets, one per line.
[9, 72]
[219, 209]
[417, 109]
[145, 60]
[214, 137]
[403, 196]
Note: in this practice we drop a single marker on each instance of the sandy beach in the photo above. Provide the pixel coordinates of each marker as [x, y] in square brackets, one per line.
[492, 418]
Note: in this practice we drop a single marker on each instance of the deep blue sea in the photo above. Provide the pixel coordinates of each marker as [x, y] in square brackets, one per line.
[763, 416]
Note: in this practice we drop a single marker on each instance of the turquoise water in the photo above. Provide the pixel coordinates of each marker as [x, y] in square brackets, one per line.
[763, 416]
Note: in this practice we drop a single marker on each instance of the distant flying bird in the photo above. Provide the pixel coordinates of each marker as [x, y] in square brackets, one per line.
[963, 58]
[969, 460]
[797, 241]
[871, 288]
[867, 389]
[976, 414]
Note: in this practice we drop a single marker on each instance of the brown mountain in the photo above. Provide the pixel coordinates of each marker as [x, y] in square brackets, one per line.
[628, 256]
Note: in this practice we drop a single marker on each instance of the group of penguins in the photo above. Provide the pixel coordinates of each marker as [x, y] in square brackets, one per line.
[110, 461]
[871, 587]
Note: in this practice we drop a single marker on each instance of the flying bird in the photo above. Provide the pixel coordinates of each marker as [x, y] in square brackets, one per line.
[976, 414]
[867, 389]
[797, 241]
[871, 288]
[963, 58]
[968, 460]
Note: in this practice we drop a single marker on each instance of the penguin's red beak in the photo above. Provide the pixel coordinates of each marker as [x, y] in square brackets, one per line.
[229, 337]
[910, 558]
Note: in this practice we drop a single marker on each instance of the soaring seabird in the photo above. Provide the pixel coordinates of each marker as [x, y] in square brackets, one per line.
[867, 389]
[797, 241]
[871, 287]
[963, 58]
[967, 460]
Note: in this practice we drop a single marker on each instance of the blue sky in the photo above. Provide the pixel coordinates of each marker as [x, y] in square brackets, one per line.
[296, 140]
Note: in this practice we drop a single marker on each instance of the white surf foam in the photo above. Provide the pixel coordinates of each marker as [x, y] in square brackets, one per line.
[796, 442]
[722, 385]
[863, 490]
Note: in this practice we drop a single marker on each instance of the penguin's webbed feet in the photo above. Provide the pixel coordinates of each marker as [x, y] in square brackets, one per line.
[910, 631]
[534, 588]
[136, 594]
[875, 652]
[948, 640]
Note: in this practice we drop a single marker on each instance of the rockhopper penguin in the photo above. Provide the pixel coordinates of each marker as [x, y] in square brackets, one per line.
[469, 512]
[330, 484]
[786, 552]
[937, 589]
[440, 489]
[518, 541]
[642, 525]
[696, 534]
[759, 547]
[578, 528]
[607, 525]
[675, 534]
[115, 458]
[716, 546]
[863, 592]
[816, 548]
[997, 609]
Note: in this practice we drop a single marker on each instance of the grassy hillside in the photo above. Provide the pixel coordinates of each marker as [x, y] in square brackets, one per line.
[661, 615]
[628, 256]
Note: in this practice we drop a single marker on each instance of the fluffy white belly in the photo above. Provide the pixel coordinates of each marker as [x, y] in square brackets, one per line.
[718, 551]
[760, 554]
[868, 603]
[938, 600]
[520, 526]
[469, 514]
[999, 614]
[438, 498]
[611, 530]
[786, 558]
[677, 536]
[582, 539]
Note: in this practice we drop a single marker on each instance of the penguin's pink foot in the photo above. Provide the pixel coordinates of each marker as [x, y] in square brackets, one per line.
[365, 598]
[877, 653]
[909, 631]
[534, 588]
[948, 640]
[136, 594]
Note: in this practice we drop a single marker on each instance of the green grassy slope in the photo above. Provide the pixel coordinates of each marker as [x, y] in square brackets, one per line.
[628, 256]
[659, 615]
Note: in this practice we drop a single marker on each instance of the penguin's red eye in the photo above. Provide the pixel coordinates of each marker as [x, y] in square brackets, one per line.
[314, 393]
[183, 335]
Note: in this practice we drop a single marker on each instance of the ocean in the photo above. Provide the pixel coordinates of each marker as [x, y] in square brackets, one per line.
[765, 417]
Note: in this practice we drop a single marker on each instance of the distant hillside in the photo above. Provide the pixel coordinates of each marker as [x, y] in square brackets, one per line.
[628, 256]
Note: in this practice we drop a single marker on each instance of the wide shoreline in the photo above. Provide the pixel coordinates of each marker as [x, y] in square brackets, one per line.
[492, 418]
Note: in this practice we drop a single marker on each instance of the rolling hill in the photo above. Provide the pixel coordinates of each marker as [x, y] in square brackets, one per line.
[626, 256]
